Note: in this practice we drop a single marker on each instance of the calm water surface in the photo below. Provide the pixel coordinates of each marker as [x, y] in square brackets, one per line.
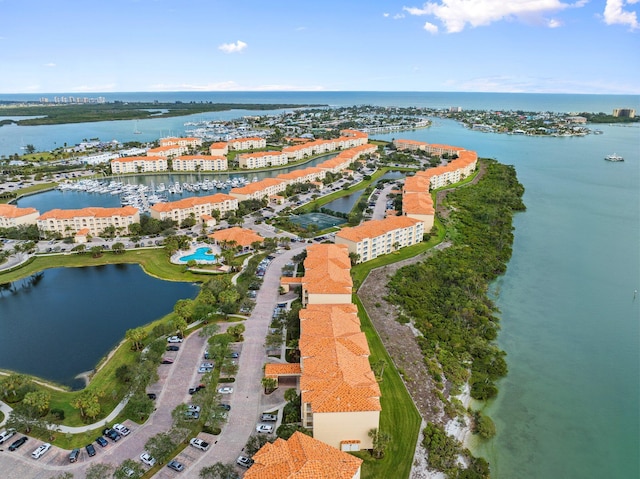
[60, 323]
[570, 325]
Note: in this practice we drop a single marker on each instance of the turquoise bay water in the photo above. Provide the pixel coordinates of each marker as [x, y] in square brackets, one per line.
[570, 325]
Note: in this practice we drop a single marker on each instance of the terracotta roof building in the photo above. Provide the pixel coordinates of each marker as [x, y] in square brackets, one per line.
[11, 216]
[247, 143]
[69, 222]
[378, 237]
[240, 236]
[262, 159]
[302, 457]
[168, 151]
[198, 206]
[188, 142]
[200, 163]
[138, 164]
[327, 276]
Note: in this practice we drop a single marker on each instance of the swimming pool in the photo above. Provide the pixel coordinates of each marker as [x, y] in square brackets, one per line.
[201, 255]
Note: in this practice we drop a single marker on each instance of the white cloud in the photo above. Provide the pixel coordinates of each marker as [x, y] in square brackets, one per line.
[50, 64]
[385, 15]
[614, 13]
[457, 14]
[398, 16]
[233, 47]
[431, 28]
[553, 23]
[93, 88]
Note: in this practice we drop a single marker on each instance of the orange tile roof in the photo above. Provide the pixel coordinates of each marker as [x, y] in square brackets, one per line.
[256, 186]
[302, 457]
[92, 211]
[200, 157]
[192, 201]
[220, 145]
[164, 148]
[418, 203]
[273, 370]
[241, 236]
[327, 269]
[259, 154]
[11, 211]
[375, 228]
[416, 184]
[83, 232]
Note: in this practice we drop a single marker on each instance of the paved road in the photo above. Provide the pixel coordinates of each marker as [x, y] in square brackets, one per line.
[248, 400]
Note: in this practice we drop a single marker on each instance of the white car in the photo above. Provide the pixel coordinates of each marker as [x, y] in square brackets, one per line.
[39, 452]
[199, 444]
[225, 390]
[244, 461]
[193, 408]
[4, 435]
[147, 459]
[265, 428]
[174, 339]
[121, 429]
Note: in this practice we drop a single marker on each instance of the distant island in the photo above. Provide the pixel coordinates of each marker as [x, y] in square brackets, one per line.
[58, 114]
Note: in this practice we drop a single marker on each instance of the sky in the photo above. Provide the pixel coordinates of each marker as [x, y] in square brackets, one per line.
[532, 46]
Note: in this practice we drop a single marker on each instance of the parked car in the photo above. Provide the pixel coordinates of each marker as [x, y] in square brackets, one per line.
[244, 461]
[121, 429]
[102, 441]
[4, 435]
[146, 458]
[152, 396]
[199, 444]
[173, 347]
[41, 450]
[175, 465]
[269, 417]
[193, 407]
[73, 455]
[191, 415]
[167, 361]
[233, 355]
[264, 428]
[174, 339]
[197, 388]
[206, 354]
[225, 390]
[17, 443]
[226, 407]
[90, 450]
[111, 434]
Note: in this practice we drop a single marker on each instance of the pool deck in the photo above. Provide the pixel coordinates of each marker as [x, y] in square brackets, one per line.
[176, 257]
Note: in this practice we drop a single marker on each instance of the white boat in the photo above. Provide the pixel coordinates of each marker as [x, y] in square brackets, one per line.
[613, 157]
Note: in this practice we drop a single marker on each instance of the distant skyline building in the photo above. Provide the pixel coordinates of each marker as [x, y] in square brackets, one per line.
[624, 112]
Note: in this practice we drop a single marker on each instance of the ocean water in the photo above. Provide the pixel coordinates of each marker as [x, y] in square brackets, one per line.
[569, 407]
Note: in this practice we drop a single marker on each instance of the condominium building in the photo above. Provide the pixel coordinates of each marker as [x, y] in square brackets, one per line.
[220, 148]
[259, 189]
[198, 206]
[11, 216]
[237, 236]
[456, 170]
[327, 276]
[301, 457]
[199, 163]
[188, 142]
[69, 222]
[139, 164]
[169, 151]
[247, 143]
[377, 237]
[262, 159]
[409, 145]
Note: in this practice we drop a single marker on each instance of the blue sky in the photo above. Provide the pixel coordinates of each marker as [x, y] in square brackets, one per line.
[552, 46]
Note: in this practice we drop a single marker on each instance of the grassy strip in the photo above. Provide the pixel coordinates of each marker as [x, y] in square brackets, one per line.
[154, 262]
[399, 416]
[29, 190]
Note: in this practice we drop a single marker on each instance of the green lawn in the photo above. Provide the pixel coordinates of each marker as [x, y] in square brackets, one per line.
[30, 189]
[153, 261]
[399, 416]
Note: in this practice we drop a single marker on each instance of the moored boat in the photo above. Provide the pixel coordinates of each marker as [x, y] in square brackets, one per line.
[613, 157]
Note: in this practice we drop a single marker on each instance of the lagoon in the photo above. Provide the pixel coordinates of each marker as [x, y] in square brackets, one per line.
[62, 321]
